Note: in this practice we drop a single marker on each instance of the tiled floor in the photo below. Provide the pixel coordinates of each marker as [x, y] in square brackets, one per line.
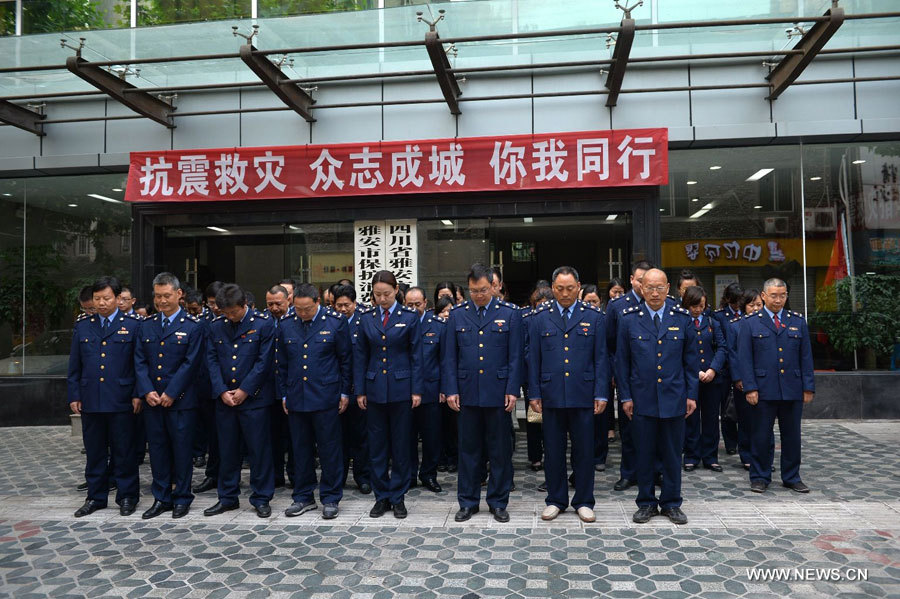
[850, 521]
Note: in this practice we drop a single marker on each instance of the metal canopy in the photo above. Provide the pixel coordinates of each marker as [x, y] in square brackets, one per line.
[139, 101]
[791, 66]
[441, 65]
[21, 117]
[290, 93]
[619, 60]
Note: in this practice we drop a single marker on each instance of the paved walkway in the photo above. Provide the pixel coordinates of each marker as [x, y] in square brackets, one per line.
[844, 537]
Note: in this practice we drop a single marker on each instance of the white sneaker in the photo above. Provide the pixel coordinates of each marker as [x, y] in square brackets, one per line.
[586, 514]
[550, 512]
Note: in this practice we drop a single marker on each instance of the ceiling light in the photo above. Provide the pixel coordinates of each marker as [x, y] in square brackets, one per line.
[708, 206]
[815, 178]
[528, 219]
[695, 199]
[117, 189]
[757, 207]
[699, 213]
[294, 228]
[611, 216]
[104, 198]
[8, 194]
[218, 229]
[449, 223]
[715, 167]
[760, 174]
[662, 209]
[691, 182]
[858, 161]
[73, 205]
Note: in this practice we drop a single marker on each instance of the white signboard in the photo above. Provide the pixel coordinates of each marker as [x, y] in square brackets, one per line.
[384, 245]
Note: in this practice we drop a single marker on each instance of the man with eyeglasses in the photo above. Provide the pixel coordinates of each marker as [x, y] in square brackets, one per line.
[427, 416]
[776, 366]
[658, 388]
[482, 367]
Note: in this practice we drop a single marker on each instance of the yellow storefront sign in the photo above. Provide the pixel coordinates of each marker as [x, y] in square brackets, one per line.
[712, 253]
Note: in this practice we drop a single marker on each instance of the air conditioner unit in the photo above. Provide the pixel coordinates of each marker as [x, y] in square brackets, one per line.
[820, 219]
[777, 225]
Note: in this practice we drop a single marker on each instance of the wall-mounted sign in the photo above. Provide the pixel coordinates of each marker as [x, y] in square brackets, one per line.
[711, 253]
[384, 245]
[547, 161]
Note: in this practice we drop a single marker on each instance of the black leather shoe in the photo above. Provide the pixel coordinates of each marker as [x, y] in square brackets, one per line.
[432, 485]
[713, 467]
[452, 467]
[156, 509]
[797, 487]
[279, 482]
[542, 487]
[89, 507]
[112, 485]
[442, 468]
[206, 484]
[624, 483]
[599, 467]
[82, 487]
[675, 515]
[365, 488]
[400, 510]
[127, 507]
[731, 451]
[536, 466]
[413, 483]
[200, 461]
[465, 513]
[746, 467]
[643, 515]
[219, 509]
[378, 510]
[263, 510]
[500, 514]
[690, 467]
[572, 480]
[657, 480]
[181, 510]
[298, 508]
[758, 486]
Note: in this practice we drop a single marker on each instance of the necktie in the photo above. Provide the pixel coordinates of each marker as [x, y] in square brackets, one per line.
[777, 322]
[656, 321]
[481, 313]
[387, 314]
[306, 325]
[697, 323]
[565, 317]
[165, 323]
[104, 325]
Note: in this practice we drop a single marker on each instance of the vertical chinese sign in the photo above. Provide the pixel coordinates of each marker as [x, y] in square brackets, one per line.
[384, 245]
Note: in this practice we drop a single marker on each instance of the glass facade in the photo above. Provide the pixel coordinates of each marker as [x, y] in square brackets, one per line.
[57, 234]
[749, 214]
[811, 215]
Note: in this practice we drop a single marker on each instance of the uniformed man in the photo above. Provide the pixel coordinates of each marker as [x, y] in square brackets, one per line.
[427, 417]
[615, 309]
[206, 398]
[568, 374]
[657, 380]
[314, 371]
[241, 358]
[86, 301]
[277, 307]
[127, 301]
[481, 377]
[101, 388]
[387, 374]
[170, 348]
[354, 437]
[701, 439]
[776, 367]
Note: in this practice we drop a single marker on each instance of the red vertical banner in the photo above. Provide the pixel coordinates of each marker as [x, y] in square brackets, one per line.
[547, 161]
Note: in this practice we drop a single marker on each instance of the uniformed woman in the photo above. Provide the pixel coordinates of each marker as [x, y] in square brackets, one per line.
[387, 372]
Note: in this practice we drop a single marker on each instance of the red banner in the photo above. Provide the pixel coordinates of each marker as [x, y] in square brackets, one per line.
[547, 161]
